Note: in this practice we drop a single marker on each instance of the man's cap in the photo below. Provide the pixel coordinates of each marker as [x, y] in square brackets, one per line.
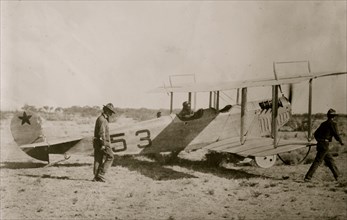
[110, 107]
[331, 112]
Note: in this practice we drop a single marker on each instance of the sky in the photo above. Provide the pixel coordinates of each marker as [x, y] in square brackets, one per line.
[66, 53]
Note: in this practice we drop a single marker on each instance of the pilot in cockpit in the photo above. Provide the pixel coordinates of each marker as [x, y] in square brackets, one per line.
[186, 112]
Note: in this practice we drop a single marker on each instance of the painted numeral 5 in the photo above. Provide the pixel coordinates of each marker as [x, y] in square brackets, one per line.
[115, 139]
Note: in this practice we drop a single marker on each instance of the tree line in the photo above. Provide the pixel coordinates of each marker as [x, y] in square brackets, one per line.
[69, 113]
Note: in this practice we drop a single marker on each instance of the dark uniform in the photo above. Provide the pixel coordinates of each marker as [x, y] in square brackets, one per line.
[324, 134]
[186, 111]
[103, 154]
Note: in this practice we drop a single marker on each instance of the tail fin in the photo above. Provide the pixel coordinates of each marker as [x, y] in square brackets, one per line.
[26, 128]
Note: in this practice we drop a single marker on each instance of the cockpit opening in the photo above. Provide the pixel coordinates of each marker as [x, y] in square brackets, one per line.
[198, 114]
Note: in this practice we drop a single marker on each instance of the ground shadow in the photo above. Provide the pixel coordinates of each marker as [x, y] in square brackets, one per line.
[153, 170]
[21, 165]
[31, 165]
[71, 165]
[47, 176]
[206, 167]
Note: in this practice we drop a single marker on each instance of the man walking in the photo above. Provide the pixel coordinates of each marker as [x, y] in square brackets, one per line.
[323, 135]
[103, 155]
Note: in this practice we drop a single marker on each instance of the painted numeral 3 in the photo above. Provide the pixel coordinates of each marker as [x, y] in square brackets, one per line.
[146, 139]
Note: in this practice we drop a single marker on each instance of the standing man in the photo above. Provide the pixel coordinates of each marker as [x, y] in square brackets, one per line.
[103, 155]
[323, 135]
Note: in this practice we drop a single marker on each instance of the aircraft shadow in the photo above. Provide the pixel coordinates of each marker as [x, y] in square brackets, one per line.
[206, 167]
[47, 176]
[31, 165]
[156, 171]
[21, 165]
[153, 170]
[72, 165]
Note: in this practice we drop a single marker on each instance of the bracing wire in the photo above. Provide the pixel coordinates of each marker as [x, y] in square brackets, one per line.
[229, 97]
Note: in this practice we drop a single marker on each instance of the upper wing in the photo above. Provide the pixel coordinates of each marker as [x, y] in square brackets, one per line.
[256, 147]
[207, 87]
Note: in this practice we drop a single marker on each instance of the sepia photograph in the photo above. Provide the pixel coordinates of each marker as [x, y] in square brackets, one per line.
[173, 110]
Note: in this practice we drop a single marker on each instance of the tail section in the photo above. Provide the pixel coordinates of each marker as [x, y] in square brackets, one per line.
[26, 129]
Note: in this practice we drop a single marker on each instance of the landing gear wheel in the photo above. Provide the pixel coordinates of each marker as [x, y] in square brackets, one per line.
[294, 157]
[266, 161]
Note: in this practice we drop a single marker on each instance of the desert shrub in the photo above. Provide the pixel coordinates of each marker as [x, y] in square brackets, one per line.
[27, 107]
[142, 114]
[299, 122]
[71, 113]
[85, 111]
[52, 116]
[248, 184]
[255, 194]
[5, 115]
[295, 156]
[210, 192]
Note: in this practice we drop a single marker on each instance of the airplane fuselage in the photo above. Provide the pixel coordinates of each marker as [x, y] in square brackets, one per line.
[164, 134]
[170, 133]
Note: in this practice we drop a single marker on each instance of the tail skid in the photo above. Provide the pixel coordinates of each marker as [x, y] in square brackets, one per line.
[66, 157]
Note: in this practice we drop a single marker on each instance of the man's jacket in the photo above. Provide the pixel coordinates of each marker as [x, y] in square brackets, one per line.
[101, 132]
[326, 131]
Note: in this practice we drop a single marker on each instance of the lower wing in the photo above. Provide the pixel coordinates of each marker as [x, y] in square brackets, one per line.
[256, 147]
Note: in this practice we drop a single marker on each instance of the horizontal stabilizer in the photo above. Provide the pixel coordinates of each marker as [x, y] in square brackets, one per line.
[42, 150]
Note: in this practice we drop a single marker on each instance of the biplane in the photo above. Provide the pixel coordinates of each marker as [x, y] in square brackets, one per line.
[247, 129]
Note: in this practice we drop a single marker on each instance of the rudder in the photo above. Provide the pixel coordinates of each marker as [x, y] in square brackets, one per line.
[26, 128]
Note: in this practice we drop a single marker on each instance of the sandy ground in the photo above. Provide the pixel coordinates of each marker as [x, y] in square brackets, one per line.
[139, 188]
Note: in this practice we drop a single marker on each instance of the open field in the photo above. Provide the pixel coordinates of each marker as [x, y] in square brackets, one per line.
[140, 188]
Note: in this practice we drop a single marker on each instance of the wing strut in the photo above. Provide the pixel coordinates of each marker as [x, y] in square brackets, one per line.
[243, 114]
[210, 100]
[309, 110]
[238, 97]
[274, 113]
[216, 100]
[171, 102]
